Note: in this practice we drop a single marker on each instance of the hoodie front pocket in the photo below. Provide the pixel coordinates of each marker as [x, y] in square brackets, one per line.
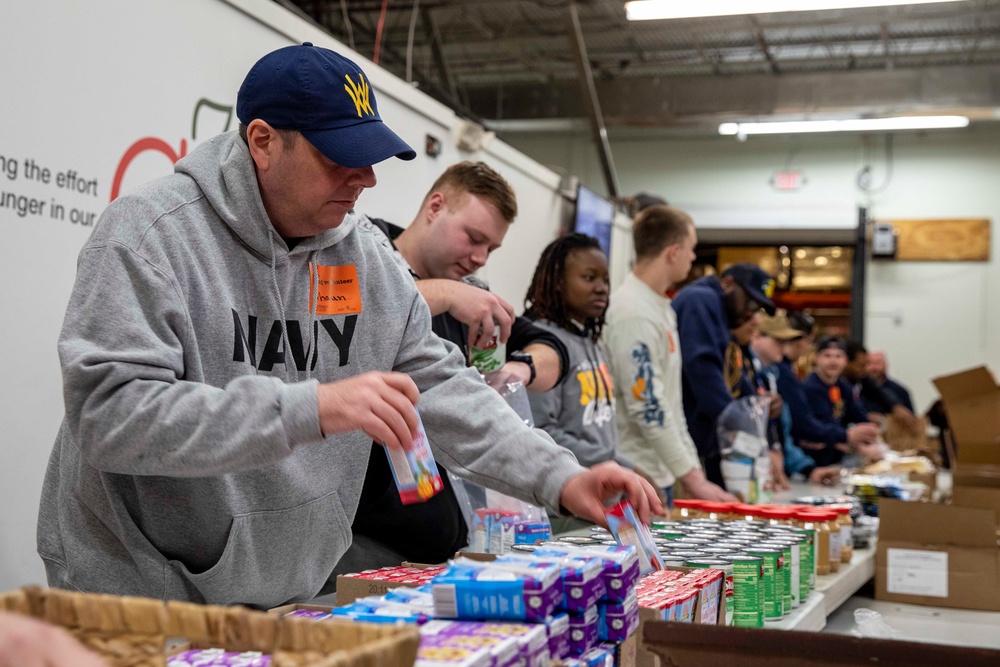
[275, 556]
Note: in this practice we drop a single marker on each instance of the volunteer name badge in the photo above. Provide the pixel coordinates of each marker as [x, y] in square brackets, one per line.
[334, 290]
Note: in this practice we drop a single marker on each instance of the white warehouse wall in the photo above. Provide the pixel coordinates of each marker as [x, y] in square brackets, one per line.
[948, 315]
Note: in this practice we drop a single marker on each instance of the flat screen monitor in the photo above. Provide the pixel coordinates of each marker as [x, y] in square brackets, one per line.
[594, 217]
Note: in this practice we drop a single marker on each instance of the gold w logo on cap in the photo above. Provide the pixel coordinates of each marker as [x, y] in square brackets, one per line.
[359, 94]
[768, 288]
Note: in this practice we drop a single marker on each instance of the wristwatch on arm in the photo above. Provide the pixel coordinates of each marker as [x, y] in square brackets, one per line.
[523, 357]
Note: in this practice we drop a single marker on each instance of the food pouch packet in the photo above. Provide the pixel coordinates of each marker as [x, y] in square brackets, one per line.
[629, 530]
[415, 472]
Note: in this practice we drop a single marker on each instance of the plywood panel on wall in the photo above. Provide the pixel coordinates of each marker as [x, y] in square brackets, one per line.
[942, 240]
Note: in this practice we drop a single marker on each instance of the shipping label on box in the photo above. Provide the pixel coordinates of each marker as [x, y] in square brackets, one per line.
[917, 572]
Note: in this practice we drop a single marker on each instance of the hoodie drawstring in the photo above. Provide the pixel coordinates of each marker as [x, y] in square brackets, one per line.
[281, 304]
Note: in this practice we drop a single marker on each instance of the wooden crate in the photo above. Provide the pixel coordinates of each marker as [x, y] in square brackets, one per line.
[133, 632]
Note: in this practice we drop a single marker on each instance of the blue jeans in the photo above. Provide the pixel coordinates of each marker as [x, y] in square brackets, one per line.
[668, 491]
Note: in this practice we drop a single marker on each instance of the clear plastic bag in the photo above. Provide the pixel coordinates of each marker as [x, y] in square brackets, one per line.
[746, 464]
[497, 521]
[515, 393]
[871, 624]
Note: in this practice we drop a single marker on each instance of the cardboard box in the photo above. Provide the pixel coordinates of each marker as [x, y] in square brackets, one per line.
[972, 403]
[940, 555]
[350, 589]
[683, 645]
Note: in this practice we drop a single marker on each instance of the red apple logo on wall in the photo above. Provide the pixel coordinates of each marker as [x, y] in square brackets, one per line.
[158, 145]
[139, 147]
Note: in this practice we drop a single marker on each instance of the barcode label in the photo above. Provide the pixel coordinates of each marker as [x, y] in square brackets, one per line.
[445, 600]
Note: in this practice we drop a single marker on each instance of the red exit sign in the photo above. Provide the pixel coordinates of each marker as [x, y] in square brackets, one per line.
[788, 180]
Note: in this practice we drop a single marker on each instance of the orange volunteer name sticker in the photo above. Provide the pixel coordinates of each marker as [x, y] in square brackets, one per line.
[334, 290]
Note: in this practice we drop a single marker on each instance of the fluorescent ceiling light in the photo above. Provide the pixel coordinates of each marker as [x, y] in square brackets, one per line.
[645, 10]
[850, 125]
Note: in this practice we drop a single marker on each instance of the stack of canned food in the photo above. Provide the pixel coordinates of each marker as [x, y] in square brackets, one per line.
[771, 554]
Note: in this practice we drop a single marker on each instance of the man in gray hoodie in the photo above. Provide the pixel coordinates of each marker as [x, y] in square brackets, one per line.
[232, 345]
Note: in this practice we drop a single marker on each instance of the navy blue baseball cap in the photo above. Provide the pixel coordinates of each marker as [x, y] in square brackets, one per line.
[324, 96]
[758, 285]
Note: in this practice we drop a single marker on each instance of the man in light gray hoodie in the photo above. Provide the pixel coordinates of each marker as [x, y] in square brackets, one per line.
[232, 345]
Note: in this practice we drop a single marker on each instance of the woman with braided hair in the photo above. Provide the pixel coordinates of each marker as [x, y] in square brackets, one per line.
[568, 296]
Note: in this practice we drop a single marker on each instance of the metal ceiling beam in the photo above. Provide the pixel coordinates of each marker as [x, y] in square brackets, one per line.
[652, 101]
[762, 45]
[438, 53]
[590, 101]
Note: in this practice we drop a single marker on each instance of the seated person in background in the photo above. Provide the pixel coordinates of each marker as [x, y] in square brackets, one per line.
[805, 427]
[568, 296]
[755, 380]
[765, 376]
[875, 400]
[878, 369]
[801, 360]
[831, 400]
[640, 334]
[774, 341]
[462, 219]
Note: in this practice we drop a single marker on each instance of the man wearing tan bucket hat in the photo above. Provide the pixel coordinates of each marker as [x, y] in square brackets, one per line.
[775, 345]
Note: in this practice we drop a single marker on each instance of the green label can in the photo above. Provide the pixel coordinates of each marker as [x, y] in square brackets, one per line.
[806, 563]
[808, 559]
[774, 581]
[490, 358]
[748, 591]
[790, 592]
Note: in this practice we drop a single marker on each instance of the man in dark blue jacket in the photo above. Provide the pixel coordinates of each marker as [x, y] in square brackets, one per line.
[831, 401]
[803, 426]
[712, 369]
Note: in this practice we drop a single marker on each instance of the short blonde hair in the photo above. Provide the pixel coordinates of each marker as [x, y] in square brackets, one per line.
[658, 227]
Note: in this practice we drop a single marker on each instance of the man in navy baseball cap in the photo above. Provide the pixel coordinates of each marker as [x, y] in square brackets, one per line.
[325, 97]
[709, 312]
[262, 342]
[759, 286]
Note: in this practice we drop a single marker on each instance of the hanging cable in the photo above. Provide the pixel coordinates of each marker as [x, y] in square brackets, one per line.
[378, 31]
[864, 178]
[409, 41]
[347, 23]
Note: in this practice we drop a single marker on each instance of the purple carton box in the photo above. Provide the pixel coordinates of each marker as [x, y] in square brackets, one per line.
[618, 620]
[557, 627]
[583, 631]
[507, 591]
[581, 578]
[531, 638]
[217, 657]
[621, 564]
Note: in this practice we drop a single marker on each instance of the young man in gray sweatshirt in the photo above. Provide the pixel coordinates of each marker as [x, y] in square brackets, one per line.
[233, 344]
